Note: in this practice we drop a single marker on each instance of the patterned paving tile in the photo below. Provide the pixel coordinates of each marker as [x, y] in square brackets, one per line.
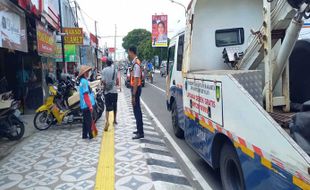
[140, 164]
[54, 159]
[59, 159]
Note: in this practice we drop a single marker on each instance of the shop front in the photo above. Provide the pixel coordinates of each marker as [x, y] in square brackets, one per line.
[13, 49]
[71, 58]
[46, 44]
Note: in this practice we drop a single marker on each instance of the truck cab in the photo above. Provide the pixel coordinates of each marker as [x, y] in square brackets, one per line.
[174, 83]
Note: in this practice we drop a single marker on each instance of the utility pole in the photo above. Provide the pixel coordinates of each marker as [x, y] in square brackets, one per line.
[96, 50]
[76, 14]
[62, 38]
[115, 34]
[77, 24]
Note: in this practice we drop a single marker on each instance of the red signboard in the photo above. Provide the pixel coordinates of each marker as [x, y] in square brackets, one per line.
[111, 50]
[51, 13]
[45, 40]
[93, 40]
[33, 6]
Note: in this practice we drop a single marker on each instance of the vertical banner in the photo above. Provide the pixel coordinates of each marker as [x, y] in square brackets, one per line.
[159, 31]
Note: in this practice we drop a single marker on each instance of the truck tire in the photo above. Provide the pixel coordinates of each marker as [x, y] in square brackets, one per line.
[230, 169]
[178, 132]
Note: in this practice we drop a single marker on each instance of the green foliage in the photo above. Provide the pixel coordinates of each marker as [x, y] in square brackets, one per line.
[142, 39]
[135, 37]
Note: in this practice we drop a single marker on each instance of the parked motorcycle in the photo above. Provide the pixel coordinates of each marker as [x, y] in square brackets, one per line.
[99, 102]
[11, 126]
[59, 109]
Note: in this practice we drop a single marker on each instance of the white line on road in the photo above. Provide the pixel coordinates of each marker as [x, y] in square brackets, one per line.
[198, 177]
[156, 87]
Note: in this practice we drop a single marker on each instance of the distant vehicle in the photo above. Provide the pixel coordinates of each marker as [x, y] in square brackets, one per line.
[163, 68]
[127, 80]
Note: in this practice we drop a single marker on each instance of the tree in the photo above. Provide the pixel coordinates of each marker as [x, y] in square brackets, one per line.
[142, 39]
[135, 37]
[145, 49]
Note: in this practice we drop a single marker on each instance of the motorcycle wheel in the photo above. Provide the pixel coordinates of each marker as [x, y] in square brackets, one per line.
[43, 120]
[18, 129]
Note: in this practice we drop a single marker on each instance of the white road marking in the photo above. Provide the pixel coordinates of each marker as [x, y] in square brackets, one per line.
[156, 87]
[170, 186]
[198, 177]
[165, 170]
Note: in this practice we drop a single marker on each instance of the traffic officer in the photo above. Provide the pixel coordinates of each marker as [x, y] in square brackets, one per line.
[136, 88]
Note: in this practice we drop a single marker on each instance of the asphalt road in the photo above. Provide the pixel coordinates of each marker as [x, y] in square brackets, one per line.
[156, 101]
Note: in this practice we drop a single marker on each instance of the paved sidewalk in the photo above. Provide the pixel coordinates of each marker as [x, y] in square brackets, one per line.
[59, 159]
[7, 146]
[146, 163]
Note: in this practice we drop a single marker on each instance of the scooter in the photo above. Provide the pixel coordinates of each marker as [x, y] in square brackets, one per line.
[100, 102]
[53, 113]
[11, 126]
[150, 76]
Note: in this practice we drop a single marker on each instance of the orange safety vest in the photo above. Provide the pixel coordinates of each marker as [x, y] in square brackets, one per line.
[132, 81]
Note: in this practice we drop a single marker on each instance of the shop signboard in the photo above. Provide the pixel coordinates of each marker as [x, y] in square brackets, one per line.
[46, 41]
[86, 55]
[51, 12]
[33, 6]
[111, 50]
[93, 40]
[159, 31]
[58, 53]
[73, 36]
[70, 53]
[13, 33]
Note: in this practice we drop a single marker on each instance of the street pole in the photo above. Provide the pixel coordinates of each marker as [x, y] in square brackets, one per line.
[115, 34]
[178, 3]
[76, 14]
[62, 37]
[96, 50]
[77, 24]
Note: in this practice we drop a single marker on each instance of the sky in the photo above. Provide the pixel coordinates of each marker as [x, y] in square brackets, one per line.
[129, 15]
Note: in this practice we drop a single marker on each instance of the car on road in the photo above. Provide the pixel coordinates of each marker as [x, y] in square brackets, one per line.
[163, 69]
[127, 79]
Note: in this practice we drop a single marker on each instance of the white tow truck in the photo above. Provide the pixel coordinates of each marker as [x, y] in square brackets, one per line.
[228, 89]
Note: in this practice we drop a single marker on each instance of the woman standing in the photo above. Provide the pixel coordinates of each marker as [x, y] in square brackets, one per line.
[85, 101]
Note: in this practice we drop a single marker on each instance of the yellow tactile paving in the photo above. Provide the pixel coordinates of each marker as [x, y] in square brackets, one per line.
[105, 170]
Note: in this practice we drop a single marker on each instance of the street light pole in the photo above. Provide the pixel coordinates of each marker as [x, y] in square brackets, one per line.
[178, 3]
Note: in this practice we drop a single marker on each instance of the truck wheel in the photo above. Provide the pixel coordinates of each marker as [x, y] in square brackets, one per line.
[178, 132]
[230, 168]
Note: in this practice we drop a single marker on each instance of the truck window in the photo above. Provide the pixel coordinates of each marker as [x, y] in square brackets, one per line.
[170, 61]
[180, 53]
[229, 37]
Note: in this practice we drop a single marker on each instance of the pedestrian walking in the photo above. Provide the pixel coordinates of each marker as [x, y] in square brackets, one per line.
[85, 101]
[136, 90]
[109, 79]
